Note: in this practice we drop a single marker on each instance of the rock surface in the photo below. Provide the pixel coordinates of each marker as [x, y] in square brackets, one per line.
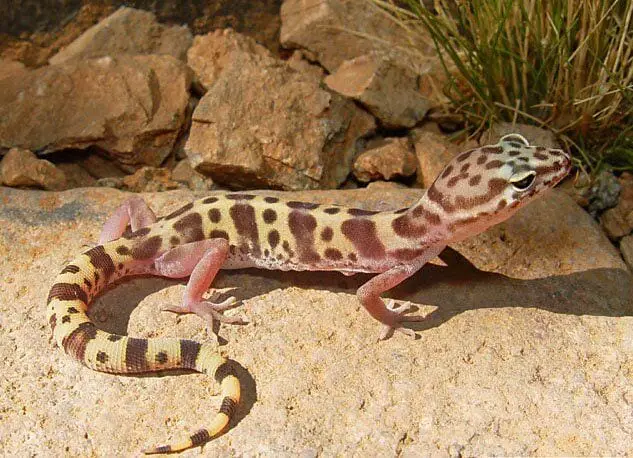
[626, 248]
[210, 53]
[264, 124]
[131, 106]
[388, 89]
[618, 221]
[528, 353]
[334, 31]
[20, 167]
[434, 151]
[127, 31]
[385, 159]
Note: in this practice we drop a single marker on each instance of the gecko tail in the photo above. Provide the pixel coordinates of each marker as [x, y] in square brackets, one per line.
[230, 389]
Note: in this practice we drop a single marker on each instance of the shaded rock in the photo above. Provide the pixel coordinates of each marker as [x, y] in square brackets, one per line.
[534, 135]
[618, 221]
[334, 31]
[185, 174]
[21, 167]
[127, 31]
[76, 175]
[150, 179]
[263, 124]
[526, 346]
[100, 167]
[299, 62]
[131, 106]
[385, 159]
[626, 248]
[210, 53]
[603, 192]
[387, 89]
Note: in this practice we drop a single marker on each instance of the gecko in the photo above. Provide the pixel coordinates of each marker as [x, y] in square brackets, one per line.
[232, 230]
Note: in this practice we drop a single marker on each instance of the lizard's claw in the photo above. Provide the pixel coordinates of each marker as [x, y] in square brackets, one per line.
[388, 329]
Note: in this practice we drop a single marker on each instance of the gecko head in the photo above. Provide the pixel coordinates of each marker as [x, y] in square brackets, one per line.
[484, 186]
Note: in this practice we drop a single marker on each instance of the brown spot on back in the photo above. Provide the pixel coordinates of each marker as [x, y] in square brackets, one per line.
[362, 233]
[180, 211]
[404, 226]
[243, 216]
[215, 215]
[239, 196]
[540, 155]
[270, 216]
[67, 292]
[147, 248]
[436, 196]
[492, 149]
[101, 260]
[332, 210]
[173, 240]
[447, 171]
[161, 357]
[190, 228]
[502, 203]
[327, 233]
[218, 234]
[429, 216]
[102, 357]
[53, 322]
[333, 254]
[462, 157]
[273, 238]
[76, 342]
[474, 181]
[464, 168]
[302, 226]
[271, 199]
[495, 187]
[301, 205]
[123, 250]
[114, 337]
[210, 200]
[496, 164]
[360, 212]
[136, 355]
[481, 159]
[514, 153]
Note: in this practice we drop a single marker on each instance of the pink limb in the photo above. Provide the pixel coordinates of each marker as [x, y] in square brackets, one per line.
[390, 315]
[201, 261]
[134, 212]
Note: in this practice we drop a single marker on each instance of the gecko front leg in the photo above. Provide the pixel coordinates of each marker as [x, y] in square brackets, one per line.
[201, 261]
[393, 317]
[134, 212]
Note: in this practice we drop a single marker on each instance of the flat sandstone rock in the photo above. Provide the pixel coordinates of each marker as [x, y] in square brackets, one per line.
[530, 350]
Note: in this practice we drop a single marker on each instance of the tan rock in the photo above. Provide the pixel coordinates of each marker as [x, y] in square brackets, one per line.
[131, 106]
[434, 151]
[387, 89]
[526, 345]
[299, 61]
[127, 31]
[385, 159]
[334, 31]
[20, 167]
[263, 124]
[626, 248]
[534, 135]
[210, 53]
[76, 175]
[100, 167]
[11, 68]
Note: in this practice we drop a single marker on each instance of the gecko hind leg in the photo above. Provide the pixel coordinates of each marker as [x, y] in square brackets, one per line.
[134, 212]
[201, 261]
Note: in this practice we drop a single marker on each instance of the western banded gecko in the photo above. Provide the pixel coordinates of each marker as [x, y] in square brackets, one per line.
[477, 189]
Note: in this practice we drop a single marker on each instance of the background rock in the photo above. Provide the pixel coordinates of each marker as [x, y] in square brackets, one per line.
[534, 135]
[527, 353]
[21, 167]
[127, 31]
[386, 88]
[434, 151]
[132, 107]
[385, 159]
[263, 124]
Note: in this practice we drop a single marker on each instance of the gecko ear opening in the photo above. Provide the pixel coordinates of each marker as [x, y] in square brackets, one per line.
[514, 138]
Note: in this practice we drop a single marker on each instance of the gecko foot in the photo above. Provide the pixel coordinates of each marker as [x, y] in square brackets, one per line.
[210, 311]
[400, 310]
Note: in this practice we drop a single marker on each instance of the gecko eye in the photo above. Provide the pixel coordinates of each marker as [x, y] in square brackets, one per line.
[523, 183]
[514, 138]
